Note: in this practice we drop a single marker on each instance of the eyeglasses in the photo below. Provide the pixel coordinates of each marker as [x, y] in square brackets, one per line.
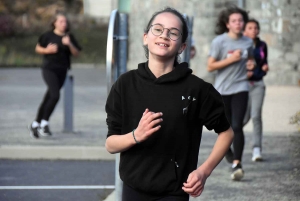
[173, 34]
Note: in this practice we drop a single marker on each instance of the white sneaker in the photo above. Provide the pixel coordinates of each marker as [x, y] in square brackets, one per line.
[256, 154]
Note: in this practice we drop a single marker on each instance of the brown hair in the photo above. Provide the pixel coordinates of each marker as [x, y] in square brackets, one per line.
[223, 18]
[185, 29]
[54, 20]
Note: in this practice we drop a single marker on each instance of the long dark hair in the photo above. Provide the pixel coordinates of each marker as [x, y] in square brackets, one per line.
[185, 30]
[223, 18]
[54, 20]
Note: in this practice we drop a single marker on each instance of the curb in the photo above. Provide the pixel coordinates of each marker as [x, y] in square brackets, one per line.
[54, 152]
[111, 197]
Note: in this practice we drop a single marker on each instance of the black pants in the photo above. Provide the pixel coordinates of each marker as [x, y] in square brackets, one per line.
[235, 106]
[130, 194]
[54, 80]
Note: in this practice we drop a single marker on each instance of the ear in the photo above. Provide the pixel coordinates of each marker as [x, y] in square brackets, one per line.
[145, 39]
[182, 48]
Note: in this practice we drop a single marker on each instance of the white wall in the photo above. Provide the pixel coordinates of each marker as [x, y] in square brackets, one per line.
[99, 8]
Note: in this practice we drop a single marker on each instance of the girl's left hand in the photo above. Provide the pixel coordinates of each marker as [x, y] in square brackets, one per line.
[66, 40]
[250, 64]
[249, 74]
[265, 68]
[195, 183]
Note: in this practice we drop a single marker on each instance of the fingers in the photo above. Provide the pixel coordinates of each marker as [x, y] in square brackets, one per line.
[191, 180]
[194, 185]
[197, 193]
[150, 116]
[146, 111]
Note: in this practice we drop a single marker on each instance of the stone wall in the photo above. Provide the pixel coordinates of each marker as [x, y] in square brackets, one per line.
[279, 28]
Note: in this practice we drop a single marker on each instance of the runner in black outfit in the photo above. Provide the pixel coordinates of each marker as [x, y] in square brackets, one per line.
[57, 46]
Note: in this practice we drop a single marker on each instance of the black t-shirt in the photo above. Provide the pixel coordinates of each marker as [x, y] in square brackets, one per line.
[61, 59]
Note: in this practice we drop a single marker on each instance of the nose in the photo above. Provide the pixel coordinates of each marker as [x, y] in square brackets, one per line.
[165, 33]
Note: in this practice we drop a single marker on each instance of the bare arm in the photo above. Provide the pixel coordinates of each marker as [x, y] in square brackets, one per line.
[147, 126]
[213, 64]
[50, 49]
[196, 180]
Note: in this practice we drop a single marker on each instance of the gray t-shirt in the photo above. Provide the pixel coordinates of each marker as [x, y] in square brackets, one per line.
[233, 78]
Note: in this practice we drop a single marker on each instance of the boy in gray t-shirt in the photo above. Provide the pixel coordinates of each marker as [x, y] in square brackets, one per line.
[233, 78]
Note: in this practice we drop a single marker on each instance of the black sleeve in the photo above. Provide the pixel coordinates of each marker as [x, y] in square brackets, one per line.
[43, 40]
[114, 112]
[74, 42]
[212, 112]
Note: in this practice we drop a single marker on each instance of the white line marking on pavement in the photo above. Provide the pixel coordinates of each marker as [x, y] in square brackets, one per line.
[54, 187]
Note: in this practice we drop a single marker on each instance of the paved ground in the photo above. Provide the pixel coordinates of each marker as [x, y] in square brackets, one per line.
[277, 178]
[55, 180]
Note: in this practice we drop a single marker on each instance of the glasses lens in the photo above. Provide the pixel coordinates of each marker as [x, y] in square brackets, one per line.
[174, 34]
[157, 29]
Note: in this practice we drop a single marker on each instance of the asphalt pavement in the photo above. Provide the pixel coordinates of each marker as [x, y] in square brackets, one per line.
[21, 91]
[63, 180]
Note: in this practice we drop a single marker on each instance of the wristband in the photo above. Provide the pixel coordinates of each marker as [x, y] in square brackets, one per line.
[134, 137]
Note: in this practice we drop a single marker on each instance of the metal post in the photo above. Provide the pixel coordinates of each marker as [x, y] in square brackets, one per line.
[122, 39]
[116, 64]
[68, 104]
[111, 64]
[186, 54]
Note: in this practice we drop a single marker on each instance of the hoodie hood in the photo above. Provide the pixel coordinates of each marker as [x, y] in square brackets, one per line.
[180, 71]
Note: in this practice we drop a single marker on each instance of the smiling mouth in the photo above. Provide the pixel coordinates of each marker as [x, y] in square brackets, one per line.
[162, 44]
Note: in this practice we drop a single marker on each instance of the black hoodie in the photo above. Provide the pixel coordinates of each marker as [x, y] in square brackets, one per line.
[161, 164]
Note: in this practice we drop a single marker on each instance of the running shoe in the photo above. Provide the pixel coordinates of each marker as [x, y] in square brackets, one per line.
[256, 154]
[33, 131]
[45, 131]
[237, 173]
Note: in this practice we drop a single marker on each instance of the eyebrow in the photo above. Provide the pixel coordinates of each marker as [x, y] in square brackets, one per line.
[167, 28]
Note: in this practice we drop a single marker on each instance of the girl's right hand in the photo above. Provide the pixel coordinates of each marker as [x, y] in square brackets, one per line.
[51, 48]
[148, 125]
[236, 55]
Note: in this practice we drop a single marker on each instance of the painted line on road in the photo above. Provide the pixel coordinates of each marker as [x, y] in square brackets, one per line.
[55, 187]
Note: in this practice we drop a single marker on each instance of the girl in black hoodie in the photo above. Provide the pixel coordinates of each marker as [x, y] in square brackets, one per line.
[155, 116]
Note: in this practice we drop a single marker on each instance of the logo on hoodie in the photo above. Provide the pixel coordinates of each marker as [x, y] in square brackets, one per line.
[189, 99]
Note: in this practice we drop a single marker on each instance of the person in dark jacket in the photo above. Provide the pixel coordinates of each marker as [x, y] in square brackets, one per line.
[256, 87]
[155, 116]
[56, 46]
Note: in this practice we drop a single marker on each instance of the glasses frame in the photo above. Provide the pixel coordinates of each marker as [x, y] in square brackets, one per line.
[168, 34]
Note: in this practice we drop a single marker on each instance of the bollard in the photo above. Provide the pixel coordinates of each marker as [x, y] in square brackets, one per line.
[68, 104]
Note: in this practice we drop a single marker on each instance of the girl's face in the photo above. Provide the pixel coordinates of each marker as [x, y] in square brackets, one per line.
[251, 30]
[61, 23]
[235, 23]
[161, 45]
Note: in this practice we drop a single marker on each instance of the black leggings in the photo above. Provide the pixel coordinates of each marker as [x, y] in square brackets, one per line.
[130, 194]
[54, 80]
[235, 106]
